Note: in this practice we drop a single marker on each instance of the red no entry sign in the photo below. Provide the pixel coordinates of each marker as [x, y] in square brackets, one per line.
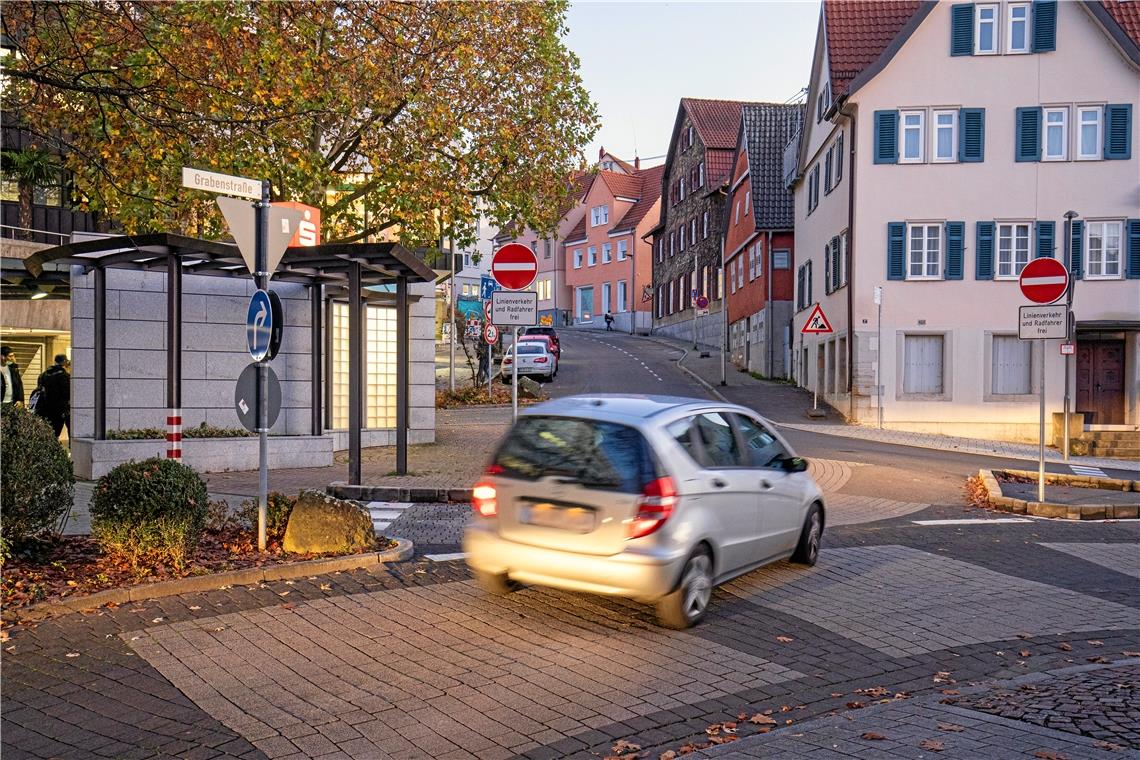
[514, 266]
[1044, 280]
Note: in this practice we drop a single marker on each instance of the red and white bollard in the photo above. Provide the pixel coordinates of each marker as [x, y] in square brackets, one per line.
[174, 435]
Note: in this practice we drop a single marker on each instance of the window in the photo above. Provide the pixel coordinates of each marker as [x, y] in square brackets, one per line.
[623, 247]
[922, 364]
[1017, 30]
[843, 258]
[813, 188]
[693, 231]
[747, 202]
[607, 253]
[761, 449]
[607, 291]
[736, 219]
[913, 129]
[945, 135]
[1013, 250]
[599, 215]
[985, 30]
[705, 226]
[781, 259]
[577, 258]
[838, 160]
[592, 255]
[1056, 134]
[1011, 366]
[701, 174]
[1104, 250]
[681, 189]
[546, 248]
[924, 251]
[689, 142]
[739, 272]
[718, 441]
[1089, 138]
[672, 296]
[607, 165]
[621, 295]
[681, 239]
[751, 263]
[672, 242]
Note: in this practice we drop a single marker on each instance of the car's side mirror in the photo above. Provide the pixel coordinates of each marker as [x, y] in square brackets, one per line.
[795, 464]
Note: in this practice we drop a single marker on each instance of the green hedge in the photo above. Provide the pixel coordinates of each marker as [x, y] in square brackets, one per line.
[37, 482]
[198, 431]
[150, 512]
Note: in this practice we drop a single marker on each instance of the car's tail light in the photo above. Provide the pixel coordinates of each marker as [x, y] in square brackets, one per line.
[540, 360]
[656, 505]
[484, 499]
[507, 360]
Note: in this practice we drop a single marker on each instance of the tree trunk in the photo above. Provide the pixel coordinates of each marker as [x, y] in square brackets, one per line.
[25, 189]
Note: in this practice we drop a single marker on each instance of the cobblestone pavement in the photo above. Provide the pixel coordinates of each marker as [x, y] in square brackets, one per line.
[1119, 557]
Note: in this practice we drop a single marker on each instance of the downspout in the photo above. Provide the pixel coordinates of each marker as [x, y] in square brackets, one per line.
[849, 257]
[771, 311]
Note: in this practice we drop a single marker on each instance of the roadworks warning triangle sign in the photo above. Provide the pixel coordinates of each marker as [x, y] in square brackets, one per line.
[817, 322]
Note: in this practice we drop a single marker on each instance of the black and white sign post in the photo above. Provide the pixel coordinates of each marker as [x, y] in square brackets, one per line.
[261, 277]
[514, 267]
[1043, 281]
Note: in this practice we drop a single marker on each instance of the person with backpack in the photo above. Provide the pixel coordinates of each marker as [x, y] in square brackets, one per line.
[609, 322]
[53, 395]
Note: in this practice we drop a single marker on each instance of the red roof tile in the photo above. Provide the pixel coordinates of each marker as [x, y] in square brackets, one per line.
[622, 185]
[716, 120]
[858, 31]
[718, 163]
[650, 180]
[1127, 14]
[579, 231]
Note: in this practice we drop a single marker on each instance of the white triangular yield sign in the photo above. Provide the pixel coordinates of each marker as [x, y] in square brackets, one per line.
[816, 322]
[242, 219]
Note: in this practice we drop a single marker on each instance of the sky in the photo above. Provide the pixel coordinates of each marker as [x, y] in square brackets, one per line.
[638, 59]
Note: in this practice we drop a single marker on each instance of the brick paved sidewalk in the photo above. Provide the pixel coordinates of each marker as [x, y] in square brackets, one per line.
[788, 406]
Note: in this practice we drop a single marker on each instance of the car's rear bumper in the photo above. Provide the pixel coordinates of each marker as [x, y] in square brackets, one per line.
[645, 576]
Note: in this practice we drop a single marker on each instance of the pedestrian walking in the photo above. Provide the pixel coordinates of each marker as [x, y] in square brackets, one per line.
[481, 375]
[11, 384]
[54, 402]
[609, 322]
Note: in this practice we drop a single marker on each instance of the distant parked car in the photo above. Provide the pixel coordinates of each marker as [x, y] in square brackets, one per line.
[534, 359]
[546, 340]
[653, 498]
[549, 332]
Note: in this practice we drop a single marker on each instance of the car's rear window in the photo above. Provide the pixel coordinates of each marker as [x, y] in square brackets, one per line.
[594, 453]
[531, 348]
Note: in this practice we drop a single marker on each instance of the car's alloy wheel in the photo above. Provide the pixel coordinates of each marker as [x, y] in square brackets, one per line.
[689, 602]
[807, 552]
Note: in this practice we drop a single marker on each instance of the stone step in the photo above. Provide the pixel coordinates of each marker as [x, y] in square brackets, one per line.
[1115, 435]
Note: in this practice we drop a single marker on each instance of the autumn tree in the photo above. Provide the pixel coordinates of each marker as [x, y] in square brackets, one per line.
[394, 116]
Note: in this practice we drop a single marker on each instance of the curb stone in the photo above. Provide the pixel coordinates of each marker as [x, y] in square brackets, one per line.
[680, 363]
[1060, 511]
[415, 495]
[403, 550]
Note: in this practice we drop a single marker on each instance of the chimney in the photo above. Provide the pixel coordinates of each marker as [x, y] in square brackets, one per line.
[601, 153]
[637, 162]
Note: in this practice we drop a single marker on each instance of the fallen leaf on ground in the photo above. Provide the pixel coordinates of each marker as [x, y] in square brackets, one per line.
[944, 726]
[932, 744]
[687, 749]
[1065, 646]
[195, 608]
[854, 705]
[158, 620]
[1111, 747]
[1024, 653]
[729, 728]
[785, 708]
[670, 755]
[872, 736]
[1094, 643]
[1048, 754]
[73, 654]
[325, 587]
[836, 694]
[1131, 654]
[622, 747]
[874, 691]
[762, 720]
[943, 676]
[785, 639]
[1097, 659]
[287, 593]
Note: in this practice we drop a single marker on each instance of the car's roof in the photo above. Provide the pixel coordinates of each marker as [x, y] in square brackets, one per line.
[629, 407]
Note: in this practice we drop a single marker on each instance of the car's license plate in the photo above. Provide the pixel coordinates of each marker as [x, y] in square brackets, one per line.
[579, 519]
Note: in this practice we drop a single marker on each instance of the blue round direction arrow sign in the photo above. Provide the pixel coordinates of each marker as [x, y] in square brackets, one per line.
[259, 325]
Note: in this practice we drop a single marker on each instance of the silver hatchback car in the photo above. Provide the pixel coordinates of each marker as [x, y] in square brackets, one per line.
[654, 498]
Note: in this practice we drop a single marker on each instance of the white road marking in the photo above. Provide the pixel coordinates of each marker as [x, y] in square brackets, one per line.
[1087, 471]
[384, 513]
[973, 521]
[446, 557]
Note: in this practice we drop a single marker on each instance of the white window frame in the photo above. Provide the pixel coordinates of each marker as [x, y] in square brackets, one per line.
[937, 128]
[947, 368]
[607, 253]
[1104, 225]
[751, 263]
[577, 258]
[672, 243]
[842, 259]
[1097, 154]
[736, 219]
[1012, 266]
[692, 232]
[599, 215]
[681, 190]
[1009, 21]
[705, 225]
[701, 174]
[1045, 126]
[996, 8]
[926, 260]
[903, 129]
[607, 296]
[622, 249]
[622, 299]
[681, 238]
[747, 202]
[592, 256]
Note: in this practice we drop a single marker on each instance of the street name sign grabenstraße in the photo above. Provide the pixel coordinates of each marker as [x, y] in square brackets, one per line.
[514, 308]
[1048, 322]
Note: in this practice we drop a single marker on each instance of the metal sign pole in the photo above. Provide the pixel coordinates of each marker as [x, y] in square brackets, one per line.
[1070, 333]
[879, 352]
[1041, 434]
[451, 328]
[261, 258]
[515, 373]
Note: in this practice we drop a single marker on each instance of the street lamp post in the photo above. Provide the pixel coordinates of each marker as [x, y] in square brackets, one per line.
[1069, 332]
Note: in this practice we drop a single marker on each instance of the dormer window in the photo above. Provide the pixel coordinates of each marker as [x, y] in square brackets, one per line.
[607, 165]
[599, 215]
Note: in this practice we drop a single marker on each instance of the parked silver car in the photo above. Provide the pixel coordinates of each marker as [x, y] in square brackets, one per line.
[654, 498]
[534, 359]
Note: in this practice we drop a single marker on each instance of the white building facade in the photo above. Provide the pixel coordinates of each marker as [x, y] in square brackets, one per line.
[936, 161]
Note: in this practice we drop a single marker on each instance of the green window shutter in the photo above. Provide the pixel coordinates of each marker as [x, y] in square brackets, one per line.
[1118, 131]
[827, 172]
[1027, 142]
[839, 159]
[1132, 246]
[1045, 236]
[827, 268]
[896, 250]
[955, 244]
[835, 262]
[886, 137]
[962, 29]
[1044, 26]
[1077, 240]
[971, 135]
[984, 252]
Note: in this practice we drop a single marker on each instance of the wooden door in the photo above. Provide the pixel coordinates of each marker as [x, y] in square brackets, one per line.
[1100, 381]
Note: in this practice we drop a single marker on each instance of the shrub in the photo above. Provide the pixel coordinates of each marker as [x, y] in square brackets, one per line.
[198, 431]
[150, 512]
[37, 482]
[278, 509]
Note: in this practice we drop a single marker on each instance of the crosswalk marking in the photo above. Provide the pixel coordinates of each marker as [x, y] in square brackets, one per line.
[384, 513]
[973, 521]
[445, 557]
[1088, 472]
